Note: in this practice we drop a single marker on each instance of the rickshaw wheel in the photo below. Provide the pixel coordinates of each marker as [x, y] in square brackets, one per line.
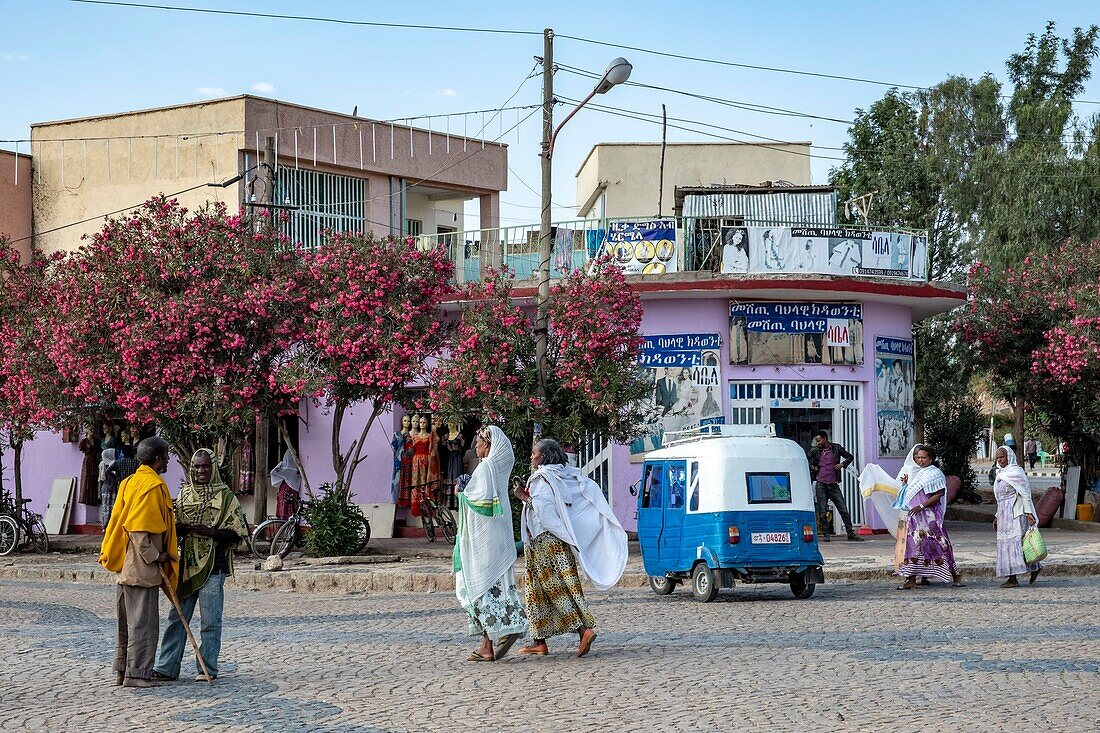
[662, 585]
[801, 589]
[703, 586]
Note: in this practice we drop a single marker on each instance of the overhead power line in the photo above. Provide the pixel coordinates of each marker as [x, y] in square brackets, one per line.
[311, 18]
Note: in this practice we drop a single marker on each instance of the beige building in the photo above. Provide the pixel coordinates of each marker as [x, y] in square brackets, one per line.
[621, 179]
[15, 199]
[333, 170]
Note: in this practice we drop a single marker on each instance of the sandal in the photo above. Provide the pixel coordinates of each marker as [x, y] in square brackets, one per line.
[504, 645]
[1034, 576]
[538, 650]
[586, 642]
[475, 657]
[1010, 584]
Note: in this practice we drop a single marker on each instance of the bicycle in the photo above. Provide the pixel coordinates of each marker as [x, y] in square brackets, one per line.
[277, 536]
[21, 527]
[434, 515]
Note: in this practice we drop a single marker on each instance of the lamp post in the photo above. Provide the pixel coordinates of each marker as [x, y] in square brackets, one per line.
[618, 71]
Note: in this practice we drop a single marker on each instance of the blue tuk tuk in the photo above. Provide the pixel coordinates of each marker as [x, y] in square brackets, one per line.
[728, 503]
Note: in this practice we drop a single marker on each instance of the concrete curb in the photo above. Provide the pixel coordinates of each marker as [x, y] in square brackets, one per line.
[430, 581]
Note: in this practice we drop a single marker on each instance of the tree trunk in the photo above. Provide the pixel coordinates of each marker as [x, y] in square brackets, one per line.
[261, 479]
[285, 435]
[1018, 427]
[17, 450]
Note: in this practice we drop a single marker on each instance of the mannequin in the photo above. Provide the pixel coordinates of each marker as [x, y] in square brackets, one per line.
[434, 472]
[421, 446]
[402, 462]
[452, 466]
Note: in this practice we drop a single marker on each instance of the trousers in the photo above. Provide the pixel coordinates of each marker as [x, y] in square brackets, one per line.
[210, 598]
[138, 627]
[823, 494]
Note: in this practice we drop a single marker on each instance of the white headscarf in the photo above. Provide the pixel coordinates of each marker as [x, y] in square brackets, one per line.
[106, 460]
[286, 473]
[486, 547]
[929, 479]
[1013, 475]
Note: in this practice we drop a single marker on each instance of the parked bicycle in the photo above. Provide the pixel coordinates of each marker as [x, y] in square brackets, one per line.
[434, 515]
[277, 536]
[20, 527]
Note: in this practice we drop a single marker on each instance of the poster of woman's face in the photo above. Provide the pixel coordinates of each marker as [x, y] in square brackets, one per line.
[735, 249]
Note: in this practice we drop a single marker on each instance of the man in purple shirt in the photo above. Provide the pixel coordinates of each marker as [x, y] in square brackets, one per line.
[827, 460]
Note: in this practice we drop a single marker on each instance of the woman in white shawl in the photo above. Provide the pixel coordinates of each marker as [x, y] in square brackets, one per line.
[485, 550]
[1015, 513]
[566, 519]
[923, 497]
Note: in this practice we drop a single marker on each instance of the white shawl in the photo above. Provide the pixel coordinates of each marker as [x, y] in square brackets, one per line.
[929, 479]
[573, 508]
[1013, 475]
[486, 546]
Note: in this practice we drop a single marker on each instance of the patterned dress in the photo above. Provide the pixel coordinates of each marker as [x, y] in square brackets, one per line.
[928, 549]
[554, 597]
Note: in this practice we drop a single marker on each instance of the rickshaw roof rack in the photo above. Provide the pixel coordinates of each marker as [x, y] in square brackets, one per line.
[706, 432]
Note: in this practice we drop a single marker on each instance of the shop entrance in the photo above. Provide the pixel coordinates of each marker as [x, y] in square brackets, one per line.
[800, 424]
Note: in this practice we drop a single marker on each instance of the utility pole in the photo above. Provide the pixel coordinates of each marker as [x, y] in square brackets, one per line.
[260, 448]
[546, 242]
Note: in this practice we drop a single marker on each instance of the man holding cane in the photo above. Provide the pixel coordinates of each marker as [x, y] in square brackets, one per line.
[138, 545]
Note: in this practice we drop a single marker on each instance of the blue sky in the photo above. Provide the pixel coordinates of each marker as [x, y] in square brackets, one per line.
[60, 59]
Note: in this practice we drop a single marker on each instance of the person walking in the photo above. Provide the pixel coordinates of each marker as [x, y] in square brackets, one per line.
[1031, 450]
[928, 552]
[827, 460]
[485, 550]
[211, 523]
[138, 545]
[1015, 515]
[565, 519]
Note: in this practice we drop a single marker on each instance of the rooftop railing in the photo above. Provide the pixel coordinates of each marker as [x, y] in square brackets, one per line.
[665, 245]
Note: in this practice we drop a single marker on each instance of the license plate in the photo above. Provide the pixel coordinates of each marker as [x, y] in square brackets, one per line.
[771, 538]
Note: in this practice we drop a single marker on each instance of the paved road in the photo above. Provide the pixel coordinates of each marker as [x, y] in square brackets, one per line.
[858, 656]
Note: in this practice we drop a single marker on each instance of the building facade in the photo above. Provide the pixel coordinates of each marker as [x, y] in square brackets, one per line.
[15, 199]
[331, 171]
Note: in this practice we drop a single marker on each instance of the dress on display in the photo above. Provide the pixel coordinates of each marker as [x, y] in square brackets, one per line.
[452, 467]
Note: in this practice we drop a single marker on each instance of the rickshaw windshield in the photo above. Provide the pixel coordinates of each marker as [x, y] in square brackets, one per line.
[651, 485]
[769, 488]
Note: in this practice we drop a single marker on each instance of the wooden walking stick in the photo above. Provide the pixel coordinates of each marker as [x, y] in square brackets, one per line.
[168, 591]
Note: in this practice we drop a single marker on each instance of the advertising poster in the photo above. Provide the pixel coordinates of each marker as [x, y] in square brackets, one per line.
[735, 249]
[643, 247]
[894, 382]
[686, 374]
[886, 254]
[919, 259]
[767, 332]
[834, 250]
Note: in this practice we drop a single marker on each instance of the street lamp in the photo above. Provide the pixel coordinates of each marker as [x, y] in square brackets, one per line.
[618, 71]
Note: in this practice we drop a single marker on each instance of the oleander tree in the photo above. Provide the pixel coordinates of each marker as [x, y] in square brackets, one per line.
[31, 388]
[190, 320]
[593, 384]
[1033, 328]
[374, 319]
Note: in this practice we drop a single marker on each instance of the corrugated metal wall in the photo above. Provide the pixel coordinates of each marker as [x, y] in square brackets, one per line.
[765, 208]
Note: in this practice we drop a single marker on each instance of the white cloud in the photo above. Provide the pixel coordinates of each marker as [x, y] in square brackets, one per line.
[12, 57]
[447, 92]
[263, 87]
[210, 91]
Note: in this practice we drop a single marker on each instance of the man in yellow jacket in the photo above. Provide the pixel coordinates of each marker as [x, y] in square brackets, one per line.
[140, 542]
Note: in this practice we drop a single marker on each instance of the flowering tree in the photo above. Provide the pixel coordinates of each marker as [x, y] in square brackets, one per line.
[1033, 329]
[593, 384]
[188, 320]
[31, 396]
[374, 318]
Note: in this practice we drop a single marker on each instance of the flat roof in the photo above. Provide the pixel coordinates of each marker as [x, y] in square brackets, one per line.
[732, 144]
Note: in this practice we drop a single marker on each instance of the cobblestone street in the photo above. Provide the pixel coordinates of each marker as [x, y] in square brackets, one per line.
[857, 656]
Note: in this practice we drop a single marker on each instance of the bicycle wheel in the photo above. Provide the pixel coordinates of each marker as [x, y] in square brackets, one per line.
[262, 537]
[9, 534]
[363, 528]
[37, 539]
[447, 524]
[429, 527]
[286, 538]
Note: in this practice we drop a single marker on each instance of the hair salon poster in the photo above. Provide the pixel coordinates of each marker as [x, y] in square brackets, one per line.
[642, 247]
[822, 250]
[894, 372]
[685, 369]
